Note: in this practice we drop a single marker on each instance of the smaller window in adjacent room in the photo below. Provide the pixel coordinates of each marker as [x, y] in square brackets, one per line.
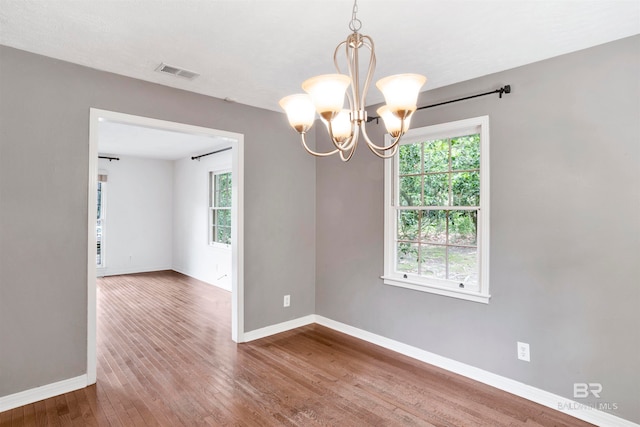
[100, 224]
[437, 211]
[220, 208]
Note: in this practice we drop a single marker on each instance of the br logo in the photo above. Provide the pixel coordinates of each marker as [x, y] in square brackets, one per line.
[581, 390]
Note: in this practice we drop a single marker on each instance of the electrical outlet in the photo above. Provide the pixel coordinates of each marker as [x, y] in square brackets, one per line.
[523, 351]
[287, 300]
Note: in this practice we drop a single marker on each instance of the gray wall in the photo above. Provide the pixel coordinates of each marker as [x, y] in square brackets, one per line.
[565, 227]
[44, 151]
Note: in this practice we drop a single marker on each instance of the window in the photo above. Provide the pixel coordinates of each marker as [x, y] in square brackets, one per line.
[220, 208]
[102, 183]
[437, 211]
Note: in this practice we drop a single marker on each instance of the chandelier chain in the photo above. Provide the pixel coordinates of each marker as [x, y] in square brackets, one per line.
[355, 23]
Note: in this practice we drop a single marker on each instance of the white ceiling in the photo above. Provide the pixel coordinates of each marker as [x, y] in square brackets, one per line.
[257, 51]
[123, 139]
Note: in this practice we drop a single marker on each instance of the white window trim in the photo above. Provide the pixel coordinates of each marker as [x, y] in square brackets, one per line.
[393, 278]
[212, 242]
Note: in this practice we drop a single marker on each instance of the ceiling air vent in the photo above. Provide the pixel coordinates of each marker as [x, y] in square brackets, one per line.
[175, 71]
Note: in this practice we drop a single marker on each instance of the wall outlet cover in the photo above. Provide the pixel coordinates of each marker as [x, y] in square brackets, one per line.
[523, 351]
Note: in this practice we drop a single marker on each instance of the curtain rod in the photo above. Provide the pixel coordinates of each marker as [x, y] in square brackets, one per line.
[500, 92]
[109, 158]
[208, 154]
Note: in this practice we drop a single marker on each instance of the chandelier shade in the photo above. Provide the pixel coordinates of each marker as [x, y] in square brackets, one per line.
[341, 128]
[395, 125]
[300, 111]
[401, 92]
[327, 93]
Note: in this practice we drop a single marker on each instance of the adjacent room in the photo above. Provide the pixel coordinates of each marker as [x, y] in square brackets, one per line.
[164, 202]
[440, 228]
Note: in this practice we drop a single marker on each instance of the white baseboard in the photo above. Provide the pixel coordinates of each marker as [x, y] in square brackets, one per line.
[217, 285]
[40, 393]
[280, 327]
[118, 271]
[550, 400]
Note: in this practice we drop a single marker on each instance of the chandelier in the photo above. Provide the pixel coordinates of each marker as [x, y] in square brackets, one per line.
[326, 94]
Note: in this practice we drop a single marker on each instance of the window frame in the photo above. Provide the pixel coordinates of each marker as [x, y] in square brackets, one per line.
[101, 188]
[391, 203]
[213, 208]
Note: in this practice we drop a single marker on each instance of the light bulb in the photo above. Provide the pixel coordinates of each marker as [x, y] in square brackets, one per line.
[341, 126]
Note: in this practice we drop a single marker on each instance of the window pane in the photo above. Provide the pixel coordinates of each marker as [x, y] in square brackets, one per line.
[434, 227]
[463, 265]
[222, 196]
[224, 235]
[216, 195]
[434, 262]
[408, 223]
[212, 189]
[436, 190]
[224, 217]
[222, 181]
[466, 188]
[407, 258]
[463, 227]
[224, 199]
[409, 158]
[410, 190]
[99, 200]
[465, 152]
[436, 155]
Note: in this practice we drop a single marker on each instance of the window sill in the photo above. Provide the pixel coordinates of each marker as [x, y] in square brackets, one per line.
[219, 245]
[438, 290]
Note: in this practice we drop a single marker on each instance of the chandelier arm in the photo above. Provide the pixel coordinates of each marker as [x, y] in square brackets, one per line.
[355, 76]
[349, 97]
[386, 156]
[372, 66]
[353, 96]
[353, 139]
[310, 151]
[373, 146]
[353, 150]
[335, 56]
[335, 62]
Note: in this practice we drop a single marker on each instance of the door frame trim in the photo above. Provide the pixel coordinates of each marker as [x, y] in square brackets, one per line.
[237, 226]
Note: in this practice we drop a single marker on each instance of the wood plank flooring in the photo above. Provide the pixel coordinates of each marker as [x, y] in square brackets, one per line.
[165, 358]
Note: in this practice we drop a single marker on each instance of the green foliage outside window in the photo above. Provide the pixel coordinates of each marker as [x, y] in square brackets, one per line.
[435, 239]
[221, 208]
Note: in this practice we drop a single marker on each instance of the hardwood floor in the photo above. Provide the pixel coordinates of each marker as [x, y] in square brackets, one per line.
[165, 358]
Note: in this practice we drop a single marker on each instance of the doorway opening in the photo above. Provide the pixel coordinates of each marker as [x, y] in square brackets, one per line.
[233, 142]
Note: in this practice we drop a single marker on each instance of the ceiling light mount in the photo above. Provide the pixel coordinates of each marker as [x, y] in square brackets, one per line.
[326, 93]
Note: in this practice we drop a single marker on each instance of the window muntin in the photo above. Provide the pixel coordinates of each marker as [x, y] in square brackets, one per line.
[436, 236]
[220, 208]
